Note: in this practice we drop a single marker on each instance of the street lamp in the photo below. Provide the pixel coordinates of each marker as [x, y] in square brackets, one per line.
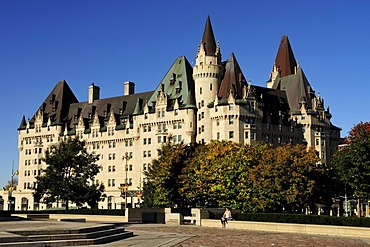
[11, 188]
[124, 186]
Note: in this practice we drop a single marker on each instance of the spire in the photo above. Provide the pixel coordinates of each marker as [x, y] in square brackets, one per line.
[233, 80]
[208, 40]
[23, 124]
[285, 61]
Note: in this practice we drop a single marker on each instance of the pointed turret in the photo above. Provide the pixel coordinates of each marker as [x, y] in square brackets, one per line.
[208, 39]
[285, 61]
[233, 80]
[23, 124]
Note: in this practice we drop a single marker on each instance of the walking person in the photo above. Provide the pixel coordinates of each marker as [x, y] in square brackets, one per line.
[225, 217]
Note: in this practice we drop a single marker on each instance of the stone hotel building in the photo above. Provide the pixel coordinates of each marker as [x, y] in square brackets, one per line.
[211, 100]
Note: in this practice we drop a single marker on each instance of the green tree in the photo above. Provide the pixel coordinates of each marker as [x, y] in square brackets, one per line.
[69, 175]
[218, 175]
[162, 175]
[352, 161]
[285, 178]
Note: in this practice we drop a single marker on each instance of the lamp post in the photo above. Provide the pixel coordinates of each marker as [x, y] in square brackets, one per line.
[124, 186]
[11, 188]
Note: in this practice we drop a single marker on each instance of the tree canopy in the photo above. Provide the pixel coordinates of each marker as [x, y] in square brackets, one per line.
[69, 175]
[252, 177]
[352, 161]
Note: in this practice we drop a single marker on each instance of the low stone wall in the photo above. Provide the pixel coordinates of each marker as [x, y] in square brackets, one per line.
[362, 232]
[88, 218]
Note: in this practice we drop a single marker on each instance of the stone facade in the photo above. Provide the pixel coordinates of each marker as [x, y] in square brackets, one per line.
[211, 100]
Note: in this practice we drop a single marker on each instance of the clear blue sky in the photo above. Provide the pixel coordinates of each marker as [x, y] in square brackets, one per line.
[109, 42]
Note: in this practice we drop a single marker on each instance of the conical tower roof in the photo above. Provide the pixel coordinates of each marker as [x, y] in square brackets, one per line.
[23, 124]
[285, 61]
[233, 80]
[208, 39]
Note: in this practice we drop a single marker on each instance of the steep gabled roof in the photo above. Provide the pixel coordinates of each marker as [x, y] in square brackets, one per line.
[233, 80]
[297, 88]
[285, 61]
[177, 84]
[56, 105]
[208, 39]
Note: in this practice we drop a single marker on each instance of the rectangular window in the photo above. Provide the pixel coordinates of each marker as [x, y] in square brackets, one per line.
[179, 125]
[144, 154]
[246, 135]
[149, 153]
[252, 135]
[149, 141]
[175, 125]
[231, 120]
[317, 142]
[267, 138]
[231, 107]
[176, 112]
[144, 141]
[130, 167]
[179, 138]
[218, 135]
[231, 134]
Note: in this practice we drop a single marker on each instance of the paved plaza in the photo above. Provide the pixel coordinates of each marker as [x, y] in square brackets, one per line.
[152, 235]
[211, 237]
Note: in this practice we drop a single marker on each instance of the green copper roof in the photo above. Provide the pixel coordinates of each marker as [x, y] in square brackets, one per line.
[177, 84]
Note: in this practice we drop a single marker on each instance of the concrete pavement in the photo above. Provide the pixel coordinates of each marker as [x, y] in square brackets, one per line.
[151, 235]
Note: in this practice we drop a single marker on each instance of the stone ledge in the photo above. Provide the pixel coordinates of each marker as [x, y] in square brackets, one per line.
[347, 231]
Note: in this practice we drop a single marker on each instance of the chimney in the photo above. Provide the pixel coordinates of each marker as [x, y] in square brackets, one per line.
[129, 88]
[94, 93]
